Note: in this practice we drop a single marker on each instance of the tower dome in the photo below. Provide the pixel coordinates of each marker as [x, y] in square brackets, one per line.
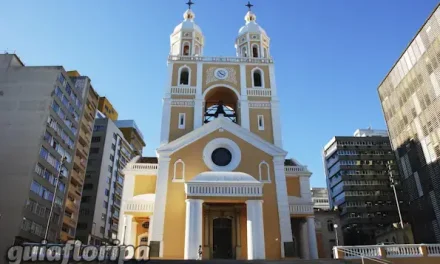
[187, 38]
[252, 40]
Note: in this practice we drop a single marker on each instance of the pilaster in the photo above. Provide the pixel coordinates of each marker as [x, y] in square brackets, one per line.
[244, 103]
[276, 122]
[160, 202]
[166, 119]
[198, 101]
[283, 202]
[311, 233]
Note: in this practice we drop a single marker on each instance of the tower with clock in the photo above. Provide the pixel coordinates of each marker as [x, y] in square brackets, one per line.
[221, 180]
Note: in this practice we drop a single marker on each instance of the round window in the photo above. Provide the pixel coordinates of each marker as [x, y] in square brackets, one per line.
[221, 157]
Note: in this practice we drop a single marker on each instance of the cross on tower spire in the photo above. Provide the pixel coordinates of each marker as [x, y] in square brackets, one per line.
[249, 5]
[189, 3]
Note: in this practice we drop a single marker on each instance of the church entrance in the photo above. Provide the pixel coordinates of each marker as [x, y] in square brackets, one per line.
[222, 238]
[222, 230]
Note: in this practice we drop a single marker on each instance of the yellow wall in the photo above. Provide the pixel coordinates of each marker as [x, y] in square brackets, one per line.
[267, 133]
[175, 132]
[174, 231]
[264, 68]
[144, 184]
[175, 77]
[107, 108]
[293, 186]
[213, 67]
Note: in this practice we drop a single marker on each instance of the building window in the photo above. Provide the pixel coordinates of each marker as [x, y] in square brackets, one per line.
[115, 136]
[260, 122]
[181, 121]
[264, 172]
[330, 226]
[110, 168]
[107, 192]
[101, 230]
[179, 170]
[113, 146]
[186, 49]
[243, 52]
[265, 53]
[184, 76]
[96, 139]
[85, 199]
[257, 78]
[94, 150]
[112, 157]
[105, 204]
[255, 51]
[88, 186]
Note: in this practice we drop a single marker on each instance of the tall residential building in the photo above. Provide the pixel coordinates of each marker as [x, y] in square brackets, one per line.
[320, 198]
[102, 194]
[359, 185]
[132, 134]
[105, 107]
[76, 183]
[40, 113]
[409, 95]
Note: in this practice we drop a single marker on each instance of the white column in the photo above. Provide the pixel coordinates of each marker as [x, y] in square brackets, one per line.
[276, 122]
[128, 228]
[160, 202]
[121, 227]
[313, 248]
[193, 228]
[283, 202]
[166, 118]
[304, 241]
[244, 104]
[255, 230]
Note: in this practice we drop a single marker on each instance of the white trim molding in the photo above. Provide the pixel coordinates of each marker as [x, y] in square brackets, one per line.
[222, 143]
[259, 92]
[181, 68]
[226, 124]
[182, 103]
[259, 105]
[183, 90]
[261, 75]
[222, 85]
[260, 167]
[175, 179]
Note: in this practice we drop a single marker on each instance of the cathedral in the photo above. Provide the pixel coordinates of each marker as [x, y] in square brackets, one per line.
[221, 186]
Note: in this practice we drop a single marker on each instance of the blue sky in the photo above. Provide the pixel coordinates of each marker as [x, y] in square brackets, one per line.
[329, 56]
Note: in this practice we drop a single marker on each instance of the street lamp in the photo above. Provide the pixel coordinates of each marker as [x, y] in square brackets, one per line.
[57, 180]
[335, 226]
[393, 185]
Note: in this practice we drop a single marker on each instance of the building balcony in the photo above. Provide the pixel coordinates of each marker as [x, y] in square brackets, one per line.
[140, 204]
[301, 209]
[220, 59]
[72, 206]
[74, 192]
[76, 177]
[80, 162]
[296, 171]
[69, 221]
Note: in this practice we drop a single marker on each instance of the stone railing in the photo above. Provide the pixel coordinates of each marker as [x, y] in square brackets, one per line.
[296, 170]
[180, 90]
[220, 59]
[139, 206]
[142, 168]
[261, 92]
[223, 189]
[384, 252]
[300, 209]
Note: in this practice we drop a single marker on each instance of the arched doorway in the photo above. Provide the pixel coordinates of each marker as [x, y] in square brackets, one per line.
[222, 238]
[221, 100]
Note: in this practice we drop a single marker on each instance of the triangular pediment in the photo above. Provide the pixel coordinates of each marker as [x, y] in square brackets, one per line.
[227, 125]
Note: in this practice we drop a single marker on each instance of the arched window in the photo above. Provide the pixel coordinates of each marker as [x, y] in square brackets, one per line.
[264, 172]
[257, 78]
[255, 51]
[265, 55]
[330, 226]
[184, 76]
[186, 49]
[243, 52]
[179, 171]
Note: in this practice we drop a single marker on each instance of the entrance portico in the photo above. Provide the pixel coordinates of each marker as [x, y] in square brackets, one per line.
[215, 191]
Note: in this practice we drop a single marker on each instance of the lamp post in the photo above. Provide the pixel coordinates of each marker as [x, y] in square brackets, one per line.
[393, 185]
[57, 180]
[335, 226]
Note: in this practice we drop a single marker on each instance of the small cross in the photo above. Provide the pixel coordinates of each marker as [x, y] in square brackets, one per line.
[249, 5]
[189, 4]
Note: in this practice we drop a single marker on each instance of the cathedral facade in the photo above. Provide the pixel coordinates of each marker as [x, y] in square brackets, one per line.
[221, 183]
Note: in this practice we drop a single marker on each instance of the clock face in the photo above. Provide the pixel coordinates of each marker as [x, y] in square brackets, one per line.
[221, 74]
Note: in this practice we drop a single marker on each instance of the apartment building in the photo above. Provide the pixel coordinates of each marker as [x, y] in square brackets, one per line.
[102, 194]
[358, 183]
[132, 134]
[105, 107]
[40, 120]
[320, 198]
